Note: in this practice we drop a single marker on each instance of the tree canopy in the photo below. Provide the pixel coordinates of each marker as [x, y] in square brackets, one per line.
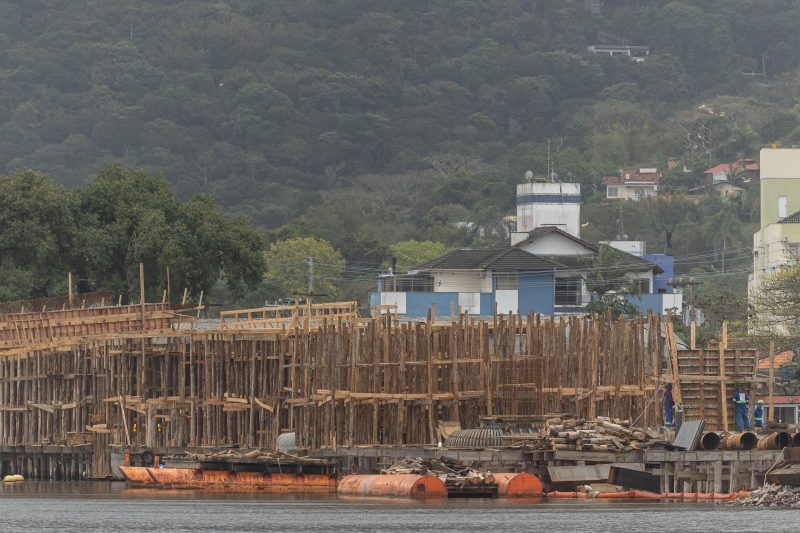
[102, 231]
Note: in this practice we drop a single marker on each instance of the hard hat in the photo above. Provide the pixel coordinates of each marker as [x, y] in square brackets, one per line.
[760, 401]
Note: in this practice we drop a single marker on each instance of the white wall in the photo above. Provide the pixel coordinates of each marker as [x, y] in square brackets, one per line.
[469, 281]
[671, 301]
[555, 245]
[395, 298]
[470, 302]
[507, 301]
[780, 163]
[534, 214]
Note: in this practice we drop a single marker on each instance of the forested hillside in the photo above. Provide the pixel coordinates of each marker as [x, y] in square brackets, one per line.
[371, 122]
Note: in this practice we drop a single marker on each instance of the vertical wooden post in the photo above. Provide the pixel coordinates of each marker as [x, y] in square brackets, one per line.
[141, 293]
[169, 289]
[693, 335]
[69, 287]
[723, 386]
[771, 381]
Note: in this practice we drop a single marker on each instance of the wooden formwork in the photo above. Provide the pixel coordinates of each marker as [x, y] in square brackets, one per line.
[707, 380]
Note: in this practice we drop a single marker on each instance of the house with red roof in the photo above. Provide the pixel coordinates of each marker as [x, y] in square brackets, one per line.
[632, 184]
[743, 170]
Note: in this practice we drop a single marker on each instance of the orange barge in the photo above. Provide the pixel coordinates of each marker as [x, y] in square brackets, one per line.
[195, 478]
[280, 474]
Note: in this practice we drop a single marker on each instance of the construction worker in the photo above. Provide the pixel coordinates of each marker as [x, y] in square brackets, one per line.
[669, 405]
[758, 414]
[740, 401]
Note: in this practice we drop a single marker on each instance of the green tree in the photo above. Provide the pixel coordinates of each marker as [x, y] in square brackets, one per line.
[414, 253]
[722, 228]
[127, 216]
[289, 264]
[37, 229]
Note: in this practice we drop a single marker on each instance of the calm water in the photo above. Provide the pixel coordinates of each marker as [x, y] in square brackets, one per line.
[90, 507]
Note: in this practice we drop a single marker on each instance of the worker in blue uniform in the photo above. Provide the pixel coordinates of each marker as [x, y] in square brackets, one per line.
[758, 415]
[740, 401]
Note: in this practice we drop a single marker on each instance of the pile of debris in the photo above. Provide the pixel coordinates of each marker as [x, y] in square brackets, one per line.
[772, 496]
[600, 435]
[448, 470]
[252, 455]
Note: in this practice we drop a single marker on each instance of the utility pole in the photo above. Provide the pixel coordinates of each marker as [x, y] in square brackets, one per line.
[310, 262]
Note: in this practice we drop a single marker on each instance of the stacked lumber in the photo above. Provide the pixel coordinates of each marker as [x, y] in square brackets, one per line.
[600, 435]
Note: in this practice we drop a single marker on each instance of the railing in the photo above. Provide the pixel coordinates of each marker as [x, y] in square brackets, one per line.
[308, 316]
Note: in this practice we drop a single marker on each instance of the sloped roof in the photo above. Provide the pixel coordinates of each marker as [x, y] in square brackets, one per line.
[782, 399]
[500, 259]
[548, 230]
[794, 218]
[463, 259]
[627, 262]
[726, 168]
[514, 259]
[780, 360]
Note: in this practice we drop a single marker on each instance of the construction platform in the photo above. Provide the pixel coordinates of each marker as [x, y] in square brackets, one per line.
[716, 471]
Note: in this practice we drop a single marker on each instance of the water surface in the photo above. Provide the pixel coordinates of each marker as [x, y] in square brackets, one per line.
[100, 507]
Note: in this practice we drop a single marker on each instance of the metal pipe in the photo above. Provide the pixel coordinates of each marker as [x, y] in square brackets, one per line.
[740, 441]
[774, 441]
[521, 485]
[401, 485]
[796, 439]
[710, 441]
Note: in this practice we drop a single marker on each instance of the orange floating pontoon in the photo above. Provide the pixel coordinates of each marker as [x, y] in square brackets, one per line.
[519, 485]
[400, 485]
[192, 478]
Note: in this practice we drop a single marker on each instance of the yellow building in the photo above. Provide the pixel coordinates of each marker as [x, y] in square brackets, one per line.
[777, 243]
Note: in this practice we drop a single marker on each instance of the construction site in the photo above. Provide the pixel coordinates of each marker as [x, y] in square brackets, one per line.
[89, 387]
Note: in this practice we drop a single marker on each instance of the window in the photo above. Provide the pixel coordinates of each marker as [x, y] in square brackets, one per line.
[568, 291]
[781, 207]
[613, 192]
[641, 286]
[415, 283]
[505, 281]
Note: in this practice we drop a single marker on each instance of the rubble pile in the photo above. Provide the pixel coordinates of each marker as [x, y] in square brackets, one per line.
[772, 496]
[243, 455]
[449, 471]
[602, 434]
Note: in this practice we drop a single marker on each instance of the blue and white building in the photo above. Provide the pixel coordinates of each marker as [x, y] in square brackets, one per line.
[544, 268]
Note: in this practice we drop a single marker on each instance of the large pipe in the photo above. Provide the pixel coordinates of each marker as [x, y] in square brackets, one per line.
[400, 485]
[710, 441]
[774, 441]
[522, 485]
[796, 439]
[739, 441]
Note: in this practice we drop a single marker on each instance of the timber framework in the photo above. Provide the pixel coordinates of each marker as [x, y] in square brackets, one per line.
[77, 384]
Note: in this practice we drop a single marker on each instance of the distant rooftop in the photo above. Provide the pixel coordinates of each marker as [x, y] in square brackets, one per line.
[641, 175]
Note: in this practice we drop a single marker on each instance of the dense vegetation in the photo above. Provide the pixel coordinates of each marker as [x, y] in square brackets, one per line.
[368, 123]
[102, 231]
